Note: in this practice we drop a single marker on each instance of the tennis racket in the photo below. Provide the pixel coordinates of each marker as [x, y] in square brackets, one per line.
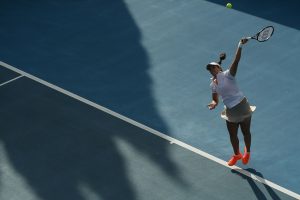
[263, 35]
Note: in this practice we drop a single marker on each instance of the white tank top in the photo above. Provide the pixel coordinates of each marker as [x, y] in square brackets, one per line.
[228, 89]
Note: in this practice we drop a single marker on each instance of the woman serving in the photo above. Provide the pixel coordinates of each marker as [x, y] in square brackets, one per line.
[237, 112]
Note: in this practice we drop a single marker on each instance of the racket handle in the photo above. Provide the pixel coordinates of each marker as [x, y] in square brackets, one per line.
[248, 38]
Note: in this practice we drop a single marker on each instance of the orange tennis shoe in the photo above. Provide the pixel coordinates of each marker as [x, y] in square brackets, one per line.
[234, 159]
[246, 156]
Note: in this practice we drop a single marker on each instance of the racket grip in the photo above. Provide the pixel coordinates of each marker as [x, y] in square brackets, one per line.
[248, 38]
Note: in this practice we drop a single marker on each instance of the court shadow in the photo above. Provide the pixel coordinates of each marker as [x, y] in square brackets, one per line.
[283, 13]
[93, 49]
[69, 150]
[254, 186]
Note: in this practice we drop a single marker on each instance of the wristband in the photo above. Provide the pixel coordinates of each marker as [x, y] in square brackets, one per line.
[240, 45]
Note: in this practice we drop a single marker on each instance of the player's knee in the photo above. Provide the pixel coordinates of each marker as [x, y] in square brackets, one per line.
[246, 132]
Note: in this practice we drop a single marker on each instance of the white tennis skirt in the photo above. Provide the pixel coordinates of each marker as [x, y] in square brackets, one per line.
[239, 112]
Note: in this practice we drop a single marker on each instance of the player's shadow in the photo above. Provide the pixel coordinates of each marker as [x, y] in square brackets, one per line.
[254, 186]
[93, 49]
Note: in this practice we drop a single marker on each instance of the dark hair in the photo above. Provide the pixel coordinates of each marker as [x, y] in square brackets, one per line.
[222, 57]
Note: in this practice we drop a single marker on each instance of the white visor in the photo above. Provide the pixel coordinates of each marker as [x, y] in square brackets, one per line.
[214, 63]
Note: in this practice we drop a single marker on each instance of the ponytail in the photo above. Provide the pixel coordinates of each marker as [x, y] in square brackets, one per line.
[222, 57]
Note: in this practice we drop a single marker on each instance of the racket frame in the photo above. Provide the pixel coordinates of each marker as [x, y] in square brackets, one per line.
[255, 37]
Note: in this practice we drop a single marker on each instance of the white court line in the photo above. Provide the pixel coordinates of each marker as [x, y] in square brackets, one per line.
[11, 80]
[157, 133]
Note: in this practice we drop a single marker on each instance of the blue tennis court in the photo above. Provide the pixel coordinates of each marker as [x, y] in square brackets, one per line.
[107, 100]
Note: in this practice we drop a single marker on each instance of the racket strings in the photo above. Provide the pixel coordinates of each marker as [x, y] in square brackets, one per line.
[265, 34]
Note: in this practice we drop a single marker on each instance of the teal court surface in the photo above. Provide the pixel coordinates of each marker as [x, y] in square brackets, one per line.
[107, 100]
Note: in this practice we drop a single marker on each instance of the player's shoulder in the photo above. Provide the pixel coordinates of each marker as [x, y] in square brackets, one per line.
[227, 73]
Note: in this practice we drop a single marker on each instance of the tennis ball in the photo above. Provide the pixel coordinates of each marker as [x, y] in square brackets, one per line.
[228, 5]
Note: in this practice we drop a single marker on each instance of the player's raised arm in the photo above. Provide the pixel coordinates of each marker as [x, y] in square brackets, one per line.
[234, 66]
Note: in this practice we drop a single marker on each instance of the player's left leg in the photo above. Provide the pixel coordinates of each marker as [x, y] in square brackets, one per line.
[245, 127]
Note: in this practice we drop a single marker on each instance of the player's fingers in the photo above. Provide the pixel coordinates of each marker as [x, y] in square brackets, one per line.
[244, 40]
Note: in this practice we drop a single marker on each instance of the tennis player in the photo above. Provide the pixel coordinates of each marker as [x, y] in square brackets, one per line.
[238, 111]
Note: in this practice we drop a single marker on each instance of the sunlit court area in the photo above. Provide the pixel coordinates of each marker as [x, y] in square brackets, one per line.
[114, 100]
